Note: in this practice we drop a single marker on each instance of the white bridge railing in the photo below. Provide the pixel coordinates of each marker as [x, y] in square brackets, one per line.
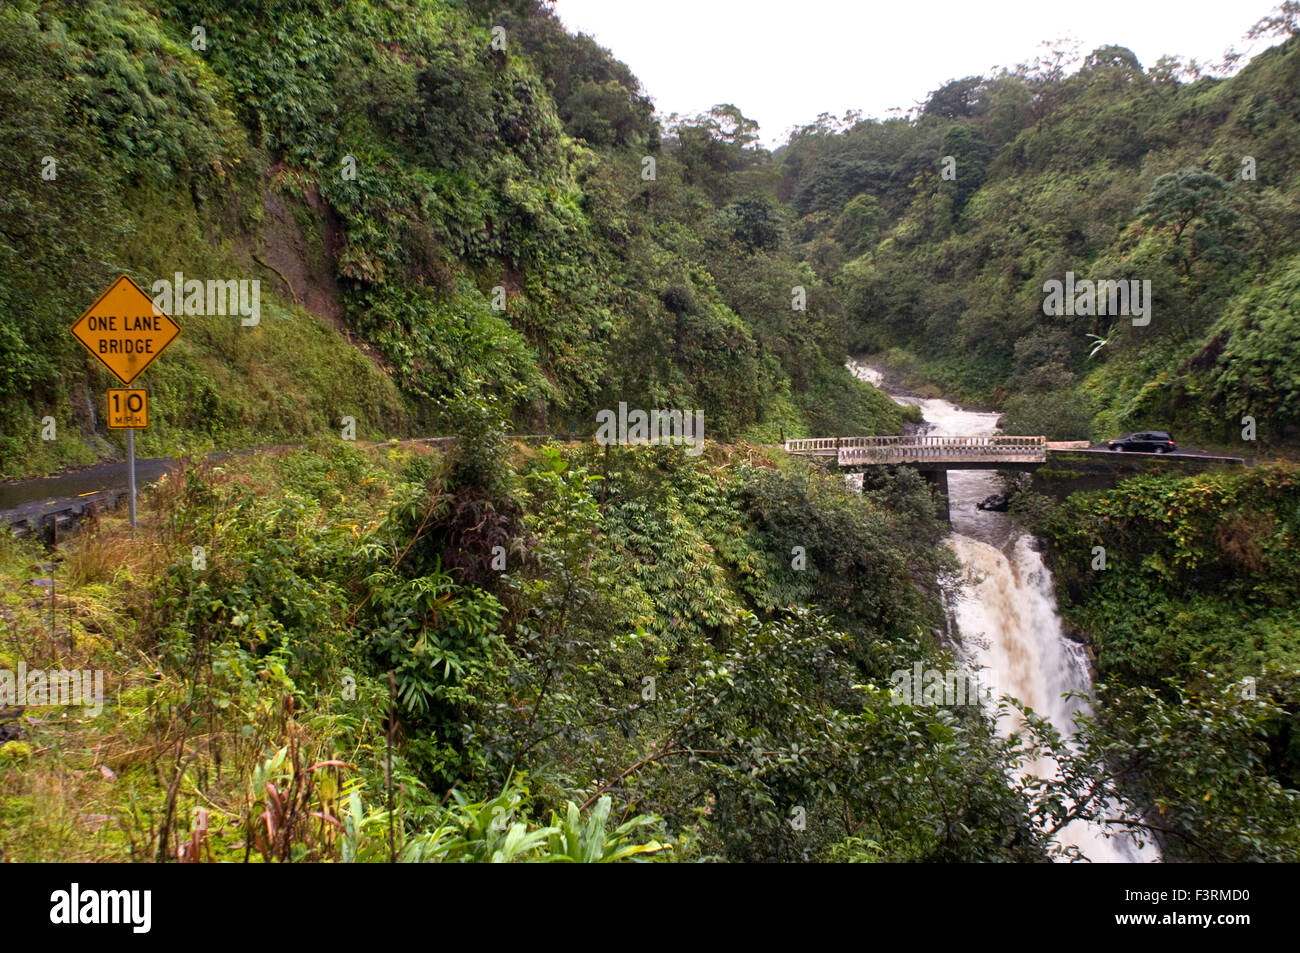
[867, 451]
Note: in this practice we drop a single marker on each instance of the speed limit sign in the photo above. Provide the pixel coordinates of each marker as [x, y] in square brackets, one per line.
[128, 408]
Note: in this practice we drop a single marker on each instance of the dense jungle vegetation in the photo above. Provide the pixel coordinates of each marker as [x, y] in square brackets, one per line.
[543, 651]
[1193, 619]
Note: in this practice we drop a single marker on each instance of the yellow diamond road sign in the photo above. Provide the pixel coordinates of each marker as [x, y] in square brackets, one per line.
[125, 330]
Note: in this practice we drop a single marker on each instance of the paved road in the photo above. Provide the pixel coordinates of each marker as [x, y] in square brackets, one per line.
[79, 483]
[1181, 452]
[29, 503]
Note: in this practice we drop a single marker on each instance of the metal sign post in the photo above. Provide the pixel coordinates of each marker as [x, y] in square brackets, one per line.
[128, 409]
[130, 471]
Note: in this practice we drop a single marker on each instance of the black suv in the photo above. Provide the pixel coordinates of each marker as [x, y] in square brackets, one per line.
[1148, 441]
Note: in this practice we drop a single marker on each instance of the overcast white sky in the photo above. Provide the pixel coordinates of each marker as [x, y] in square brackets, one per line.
[784, 61]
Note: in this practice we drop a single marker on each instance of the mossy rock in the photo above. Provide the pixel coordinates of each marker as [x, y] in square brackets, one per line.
[15, 753]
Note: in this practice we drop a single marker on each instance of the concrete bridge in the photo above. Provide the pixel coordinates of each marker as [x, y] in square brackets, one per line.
[930, 454]
[927, 452]
[1059, 468]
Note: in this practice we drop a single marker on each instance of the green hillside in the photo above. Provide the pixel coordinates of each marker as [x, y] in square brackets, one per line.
[1112, 172]
[382, 169]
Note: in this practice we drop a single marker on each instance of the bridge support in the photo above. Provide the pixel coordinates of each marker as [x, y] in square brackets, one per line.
[938, 480]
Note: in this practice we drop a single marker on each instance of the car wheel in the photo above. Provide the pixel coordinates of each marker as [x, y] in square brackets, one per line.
[1162, 449]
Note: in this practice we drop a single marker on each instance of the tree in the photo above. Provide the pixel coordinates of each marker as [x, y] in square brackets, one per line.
[972, 154]
[1120, 57]
[1057, 415]
[1179, 200]
[1195, 763]
[958, 99]
[711, 145]
[604, 113]
[754, 222]
[857, 224]
[1284, 19]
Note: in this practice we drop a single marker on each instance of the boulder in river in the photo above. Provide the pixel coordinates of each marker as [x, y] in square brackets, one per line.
[997, 502]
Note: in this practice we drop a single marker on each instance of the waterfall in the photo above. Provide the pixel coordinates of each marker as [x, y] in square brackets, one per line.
[1006, 613]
